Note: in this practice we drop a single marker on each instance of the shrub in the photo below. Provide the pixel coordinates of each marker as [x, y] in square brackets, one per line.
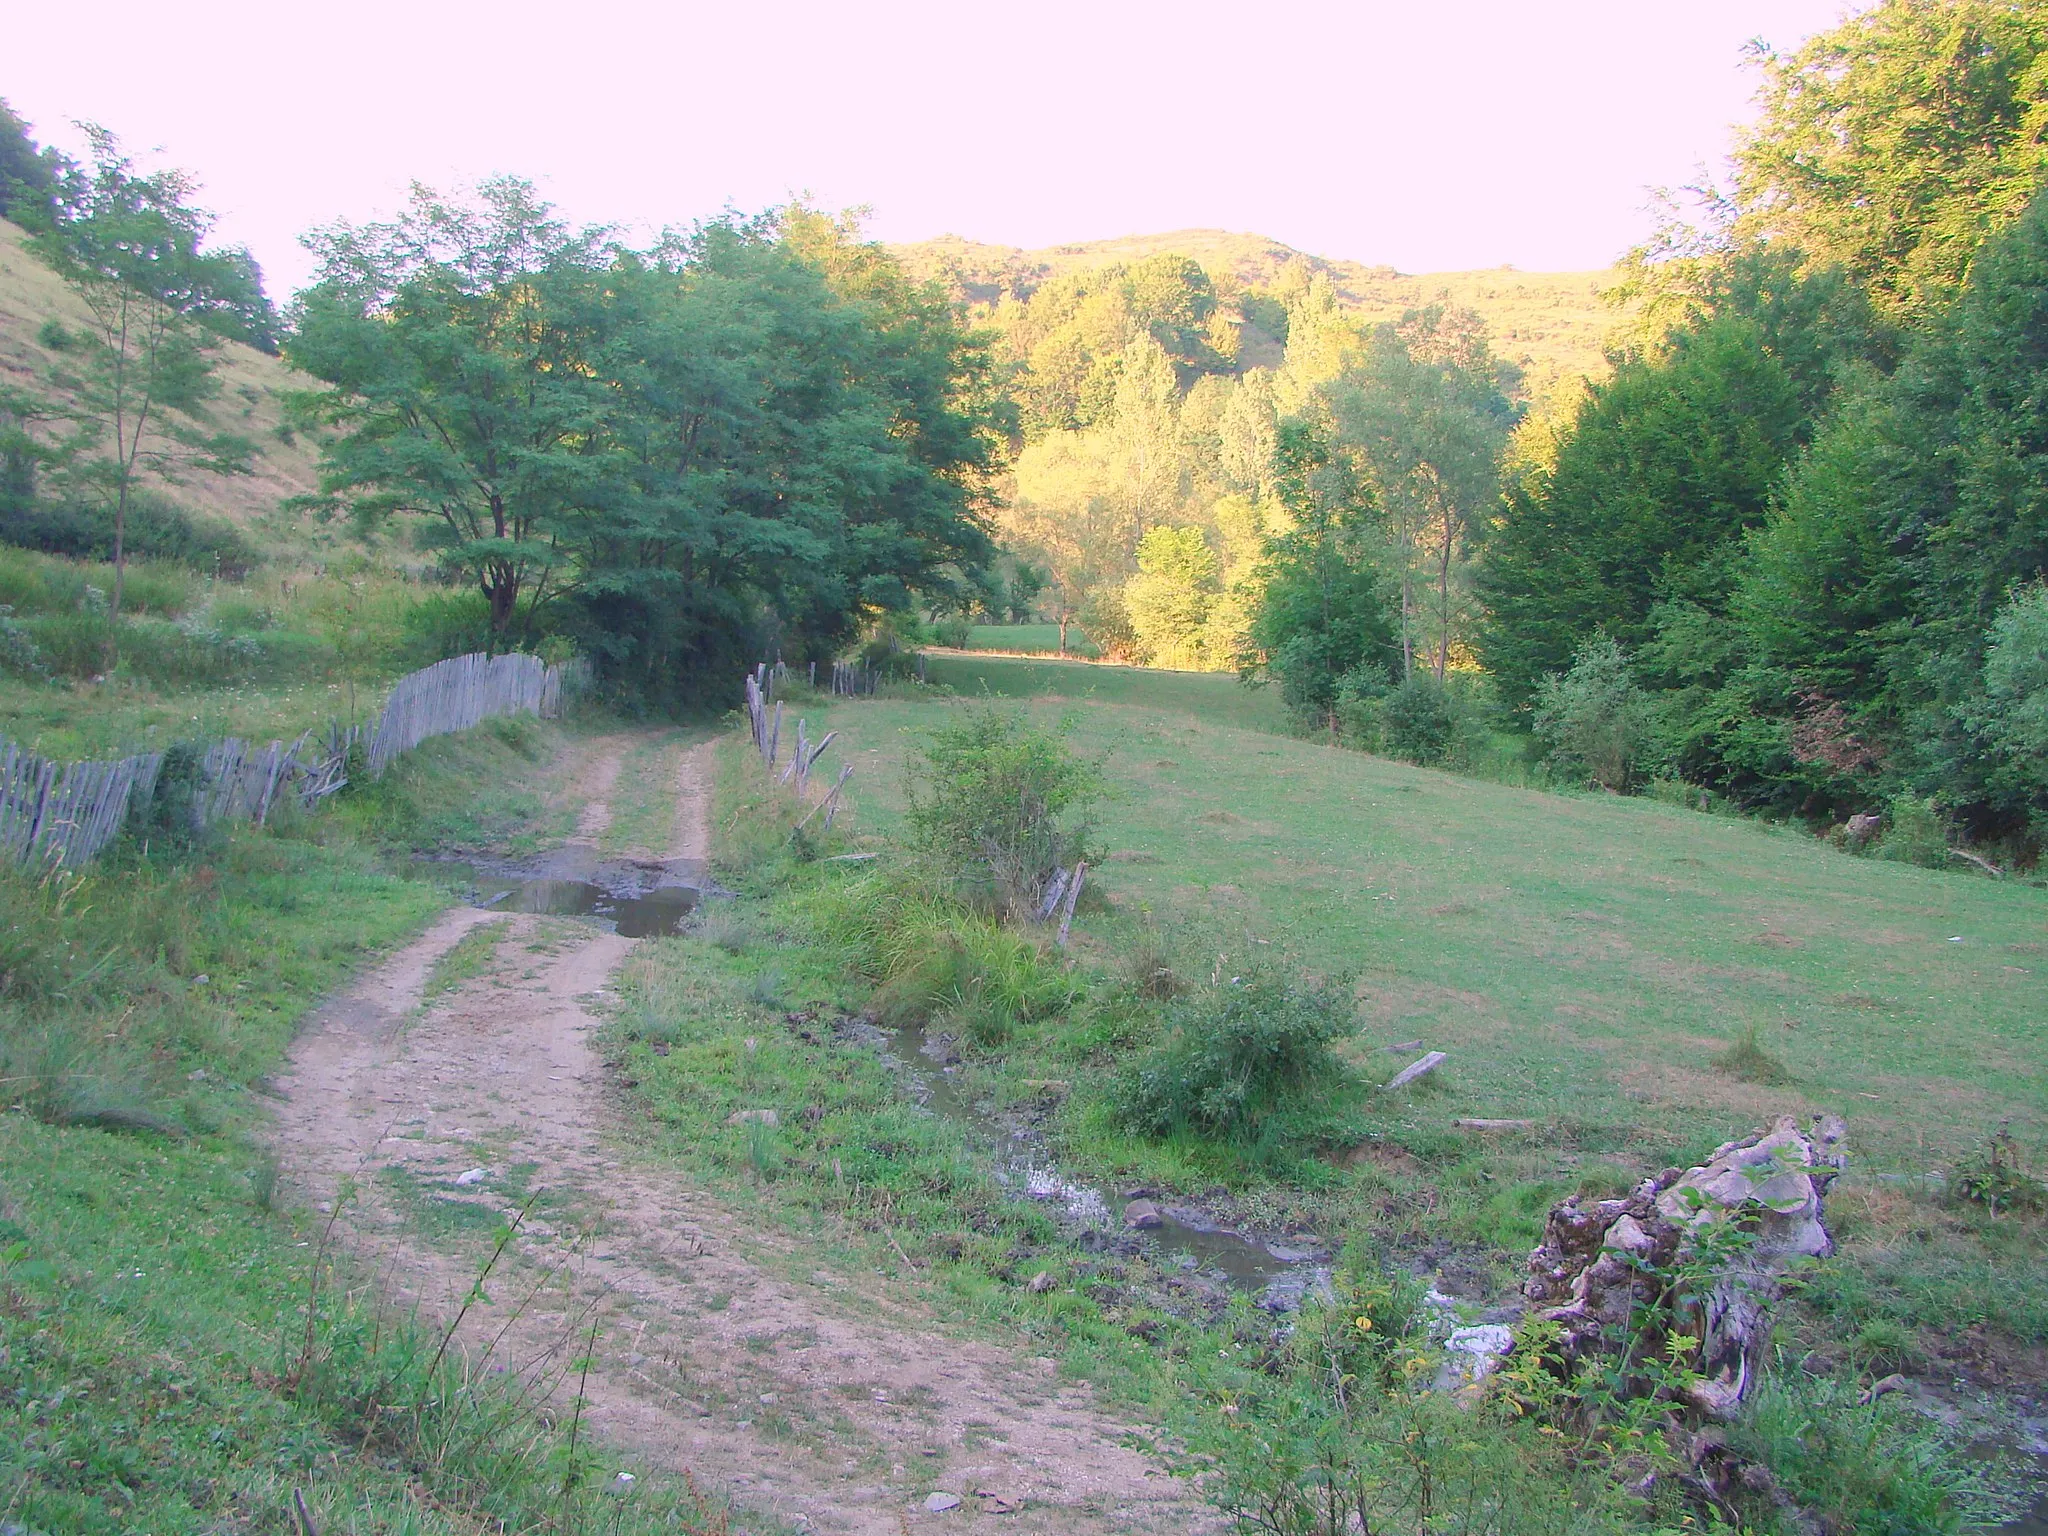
[1234, 1058]
[1593, 718]
[2015, 715]
[1418, 720]
[19, 654]
[1915, 832]
[444, 624]
[999, 804]
[1332, 1438]
[953, 632]
[157, 529]
[1108, 623]
[1361, 698]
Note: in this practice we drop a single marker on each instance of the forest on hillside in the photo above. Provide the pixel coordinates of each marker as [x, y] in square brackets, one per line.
[1788, 548]
[1784, 544]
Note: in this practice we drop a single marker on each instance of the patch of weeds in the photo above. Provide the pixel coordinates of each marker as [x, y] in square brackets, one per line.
[465, 960]
[764, 1151]
[438, 1216]
[1747, 1061]
[1148, 966]
[723, 928]
[1882, 1346]
[941, 961]
[1856, 1467]
[1997, 1178]
[263, 1179]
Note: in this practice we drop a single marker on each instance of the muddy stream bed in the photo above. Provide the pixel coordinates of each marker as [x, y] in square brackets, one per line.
[1184, 1235]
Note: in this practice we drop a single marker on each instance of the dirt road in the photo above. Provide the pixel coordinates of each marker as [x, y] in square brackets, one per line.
[720, 1347]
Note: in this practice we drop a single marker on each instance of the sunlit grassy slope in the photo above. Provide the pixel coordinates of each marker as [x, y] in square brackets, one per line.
[1582, 958]
[250, 403]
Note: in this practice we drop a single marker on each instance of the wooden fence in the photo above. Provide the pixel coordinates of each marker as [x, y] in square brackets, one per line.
[765, 725]
[66, 813]
[455, 694]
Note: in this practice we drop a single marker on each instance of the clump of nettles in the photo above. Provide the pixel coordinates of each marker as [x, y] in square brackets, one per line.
[997, 804]
[1242, 1060]
[1996, 1177]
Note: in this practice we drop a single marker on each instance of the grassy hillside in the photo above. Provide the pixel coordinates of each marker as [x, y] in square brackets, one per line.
[1550, 323]
[253, 387]
[1583, 958]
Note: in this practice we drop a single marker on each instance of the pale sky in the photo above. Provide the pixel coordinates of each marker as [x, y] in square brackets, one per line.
[1432, 135]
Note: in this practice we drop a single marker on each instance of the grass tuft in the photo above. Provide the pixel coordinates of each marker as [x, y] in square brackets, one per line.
[1747, 1061]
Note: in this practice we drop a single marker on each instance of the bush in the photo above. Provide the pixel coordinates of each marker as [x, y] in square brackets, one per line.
[157, 529]
[1236, 1060]
[953, 632]
[20, 656]
[33, 584]
[1996, 1177]
[1915, 832]
[1361, 698]
[1419, 720]
[1593, 718]
[2014, 715]
[1108, 623]
[1332, 1439]
[999, 804]
[444, 624]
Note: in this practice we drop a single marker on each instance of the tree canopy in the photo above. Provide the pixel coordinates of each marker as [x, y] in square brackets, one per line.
[740, 441]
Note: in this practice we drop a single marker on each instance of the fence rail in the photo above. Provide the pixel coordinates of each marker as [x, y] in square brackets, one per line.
[67, 813]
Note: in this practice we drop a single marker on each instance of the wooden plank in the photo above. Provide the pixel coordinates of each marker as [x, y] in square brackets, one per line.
[1409, 1073]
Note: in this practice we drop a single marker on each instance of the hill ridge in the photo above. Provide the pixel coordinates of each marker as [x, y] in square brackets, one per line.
[1552, 324]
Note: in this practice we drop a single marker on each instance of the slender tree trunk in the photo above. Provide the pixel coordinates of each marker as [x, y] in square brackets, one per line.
[1063, 631]
[1407, 616]
[1443, 650]
[120, 547]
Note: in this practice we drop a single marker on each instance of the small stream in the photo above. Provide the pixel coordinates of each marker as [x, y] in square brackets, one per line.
[637, 898]
[1282, 1276]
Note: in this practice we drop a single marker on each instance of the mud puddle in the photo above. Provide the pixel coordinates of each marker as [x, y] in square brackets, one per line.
[1186, 1235]
[635, 898]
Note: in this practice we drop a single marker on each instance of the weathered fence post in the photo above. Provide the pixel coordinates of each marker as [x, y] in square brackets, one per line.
[1073, 895]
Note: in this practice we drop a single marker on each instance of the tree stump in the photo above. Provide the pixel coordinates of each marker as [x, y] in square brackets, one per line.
[1700, 1252]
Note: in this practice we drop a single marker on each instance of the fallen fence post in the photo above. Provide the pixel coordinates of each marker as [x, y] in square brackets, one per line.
[1409, 1073]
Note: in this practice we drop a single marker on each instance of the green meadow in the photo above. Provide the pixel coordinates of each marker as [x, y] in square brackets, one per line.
[1582, 957]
